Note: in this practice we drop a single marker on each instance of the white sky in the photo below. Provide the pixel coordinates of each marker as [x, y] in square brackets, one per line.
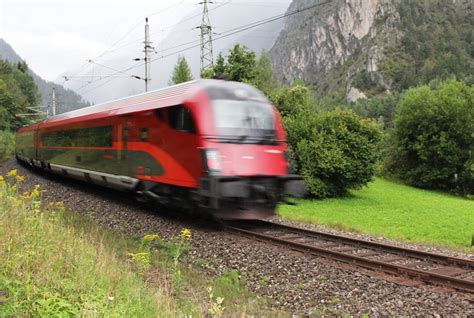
[55, 36]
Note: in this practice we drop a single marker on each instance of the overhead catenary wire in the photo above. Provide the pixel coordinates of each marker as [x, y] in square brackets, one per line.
[134, 42]
[139, 22]
[112, 75]
[235, 31]
[110, 49]
[221, 36]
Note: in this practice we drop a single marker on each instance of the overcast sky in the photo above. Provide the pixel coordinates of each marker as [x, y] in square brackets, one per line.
[55, 36]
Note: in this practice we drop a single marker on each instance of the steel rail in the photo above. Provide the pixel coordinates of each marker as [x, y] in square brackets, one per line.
[427, 276]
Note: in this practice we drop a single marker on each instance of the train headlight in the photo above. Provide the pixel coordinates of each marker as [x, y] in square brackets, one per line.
[212, 160]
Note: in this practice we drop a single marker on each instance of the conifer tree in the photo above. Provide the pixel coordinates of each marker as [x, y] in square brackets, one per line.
[181, 72]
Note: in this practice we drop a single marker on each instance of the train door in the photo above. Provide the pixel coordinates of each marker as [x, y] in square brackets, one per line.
[36, 144]
[183, 143]
[123, 135]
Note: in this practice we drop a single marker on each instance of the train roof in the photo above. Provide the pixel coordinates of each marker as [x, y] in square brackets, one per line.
[168, 96]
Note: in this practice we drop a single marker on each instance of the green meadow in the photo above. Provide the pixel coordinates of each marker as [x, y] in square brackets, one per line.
[395, 211]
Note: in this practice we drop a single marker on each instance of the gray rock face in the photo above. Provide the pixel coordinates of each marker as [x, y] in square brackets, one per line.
[352, 33]
[354, 94]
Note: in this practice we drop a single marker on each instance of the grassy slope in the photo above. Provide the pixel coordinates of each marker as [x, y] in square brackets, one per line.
[395, 211]
[55, 263]
[50, 269]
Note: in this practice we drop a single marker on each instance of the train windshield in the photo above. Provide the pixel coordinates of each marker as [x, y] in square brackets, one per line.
[244, 121]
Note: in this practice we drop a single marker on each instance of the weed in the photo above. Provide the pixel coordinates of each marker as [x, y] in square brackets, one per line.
[57, 263]
[335, 301]
[53, 269]
[216, 308]
[229, 283]
[264, 280]
[181, 246]
[200, 262]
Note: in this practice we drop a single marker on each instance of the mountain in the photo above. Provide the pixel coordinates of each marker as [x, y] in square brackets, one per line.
[224, 16]
[67, 99]
[362, 48]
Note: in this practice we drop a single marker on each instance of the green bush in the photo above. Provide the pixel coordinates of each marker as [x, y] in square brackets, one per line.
[7, 144]
[291, 99]
[381, 109]
[334, 151]
[432, 141]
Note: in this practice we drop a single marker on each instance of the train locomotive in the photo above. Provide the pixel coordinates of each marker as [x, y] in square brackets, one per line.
[217, 146]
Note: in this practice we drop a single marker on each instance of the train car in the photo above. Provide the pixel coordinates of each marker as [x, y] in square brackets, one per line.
[214, 145]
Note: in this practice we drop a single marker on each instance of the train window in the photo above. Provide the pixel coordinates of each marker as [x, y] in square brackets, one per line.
[160, 114]
[125, 133]
[144, 134]
[85, 137]
[180, 118]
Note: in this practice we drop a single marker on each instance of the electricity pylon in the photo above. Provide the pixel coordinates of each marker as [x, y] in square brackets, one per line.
[207, 60]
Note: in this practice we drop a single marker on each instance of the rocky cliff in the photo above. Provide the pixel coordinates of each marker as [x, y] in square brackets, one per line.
[360, 47]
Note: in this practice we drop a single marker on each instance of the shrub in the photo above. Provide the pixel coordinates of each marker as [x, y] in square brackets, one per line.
[7, 144]
[433, 138]
[292, 99]
[381, 109]
[334, 151]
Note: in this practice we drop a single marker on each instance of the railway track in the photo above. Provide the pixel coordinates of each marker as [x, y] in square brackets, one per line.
[433, 268]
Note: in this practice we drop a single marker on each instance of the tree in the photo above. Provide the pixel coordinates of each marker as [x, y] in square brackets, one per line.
[220, 68]
[334, 151]
[381, 109]
[432, 142]
[181, 72]
[241, 63]
[292, 99]
[264, 77]
[17, 92]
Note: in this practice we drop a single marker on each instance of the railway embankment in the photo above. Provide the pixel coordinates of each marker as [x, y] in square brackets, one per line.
[56, 262]
[292, 281]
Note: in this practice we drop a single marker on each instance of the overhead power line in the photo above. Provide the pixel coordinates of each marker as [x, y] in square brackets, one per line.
[111, 47]
[192, 44]
[239, 30]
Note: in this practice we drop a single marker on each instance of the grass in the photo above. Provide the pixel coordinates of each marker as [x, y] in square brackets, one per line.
[7, 144]
[55, 263]
[393, 210]
[51, 269]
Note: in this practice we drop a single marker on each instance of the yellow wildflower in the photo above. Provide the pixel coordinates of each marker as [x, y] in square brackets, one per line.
[142, 257]
[16, 202]
[12, 173]
[2, 179]
[60, 206]
[151, 237]
[186, 234]
[19, 179]
[26, 195]
[36, 192]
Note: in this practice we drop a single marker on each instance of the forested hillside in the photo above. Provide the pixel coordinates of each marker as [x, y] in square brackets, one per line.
[358, 48]
[406, 65]
[67, 99]
[18, 91]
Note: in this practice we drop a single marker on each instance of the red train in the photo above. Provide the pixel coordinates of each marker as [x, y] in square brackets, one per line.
[212, 144]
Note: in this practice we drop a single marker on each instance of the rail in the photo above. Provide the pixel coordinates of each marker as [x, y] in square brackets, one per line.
[433, 268]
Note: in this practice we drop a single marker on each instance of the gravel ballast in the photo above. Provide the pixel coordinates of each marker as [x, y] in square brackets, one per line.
[295, 282]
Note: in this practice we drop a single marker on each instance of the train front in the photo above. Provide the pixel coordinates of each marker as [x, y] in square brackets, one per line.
[244, 154]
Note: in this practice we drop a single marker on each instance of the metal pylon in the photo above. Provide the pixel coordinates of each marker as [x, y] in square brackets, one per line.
[207, 60]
